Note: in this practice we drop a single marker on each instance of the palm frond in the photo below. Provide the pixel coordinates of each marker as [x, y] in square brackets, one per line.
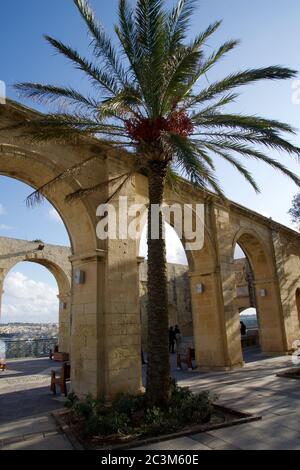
[269, 140]
[240, 79]
[83, 193]
[127, 35]
[149, 21]
[103, 47]
[173, 180]
[239, 166]
[100, 78]
[223, 101]
[50, 94]
[64, 128]
[150, 41]
[204, 67]
[182, 69]
[195, 164]
[254, 153]
[126, 103]
[253, 123]
[215, 57]
[178, 22]
[38, 195]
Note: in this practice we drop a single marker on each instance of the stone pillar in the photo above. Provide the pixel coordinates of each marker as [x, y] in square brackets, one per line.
[64, 331]
[271, 323]
[286, 258]
[105, 322]
[231, 313]
[208, 337]
[86, 319]
[216, 325]
[226, 295]
[123, 322]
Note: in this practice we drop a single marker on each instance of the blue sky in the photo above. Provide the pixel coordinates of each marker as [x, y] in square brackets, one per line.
[269, 32]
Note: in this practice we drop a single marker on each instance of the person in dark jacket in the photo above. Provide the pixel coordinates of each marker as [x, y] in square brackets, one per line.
[177, 330]
[171, 339]
[243, 328]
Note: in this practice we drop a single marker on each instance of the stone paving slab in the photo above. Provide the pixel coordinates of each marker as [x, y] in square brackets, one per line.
[254, 389]
[183, 443]
[55, 441]
[21, 427]
[212, 442]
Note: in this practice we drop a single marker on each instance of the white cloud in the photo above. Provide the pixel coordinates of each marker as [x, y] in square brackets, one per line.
[238, 252]
[265, 214]
[54, 215]
[26, 300]
[249, 312]
[175, 250]
[2, 209]
[5, 227]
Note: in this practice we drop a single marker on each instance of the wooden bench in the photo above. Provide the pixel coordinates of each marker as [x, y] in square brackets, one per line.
[186, 358]
[61, 380]
[61, 356]
[249, 340]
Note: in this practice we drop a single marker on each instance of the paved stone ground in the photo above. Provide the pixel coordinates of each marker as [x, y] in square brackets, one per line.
[25, 404]
[254, 389]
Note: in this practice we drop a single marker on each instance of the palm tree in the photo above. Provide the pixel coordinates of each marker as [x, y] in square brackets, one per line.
[294, 211]
[151, 95]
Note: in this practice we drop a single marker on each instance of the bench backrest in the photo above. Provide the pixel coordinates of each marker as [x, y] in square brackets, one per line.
[66, 371]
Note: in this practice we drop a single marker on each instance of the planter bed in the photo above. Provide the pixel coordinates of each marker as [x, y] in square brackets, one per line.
[222, 417]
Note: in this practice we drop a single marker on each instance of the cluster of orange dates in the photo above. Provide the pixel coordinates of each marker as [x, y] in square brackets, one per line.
[149, 130]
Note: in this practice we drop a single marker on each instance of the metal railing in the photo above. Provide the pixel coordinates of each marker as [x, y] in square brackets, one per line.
[15, 349]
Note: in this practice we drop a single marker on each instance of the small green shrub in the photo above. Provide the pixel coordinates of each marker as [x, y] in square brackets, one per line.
[128, 414]
[127, 404]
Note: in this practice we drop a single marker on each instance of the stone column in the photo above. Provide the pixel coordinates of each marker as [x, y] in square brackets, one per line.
[64, 331]
[271, 322]
[105, 322]
[208, 337]
[86, 319]
[287, 275]
[226, 294]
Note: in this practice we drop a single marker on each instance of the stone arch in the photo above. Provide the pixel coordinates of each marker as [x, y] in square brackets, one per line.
[56, 261]
[208, 327]
[179, 305]
[205, 287]
[35, 168]
[269, 309]
[256, 251]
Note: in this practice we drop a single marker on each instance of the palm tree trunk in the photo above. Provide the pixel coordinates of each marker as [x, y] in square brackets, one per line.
[158, 371]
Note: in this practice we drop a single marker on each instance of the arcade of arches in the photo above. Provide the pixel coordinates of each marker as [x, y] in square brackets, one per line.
[56, 260]
[104, 315]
